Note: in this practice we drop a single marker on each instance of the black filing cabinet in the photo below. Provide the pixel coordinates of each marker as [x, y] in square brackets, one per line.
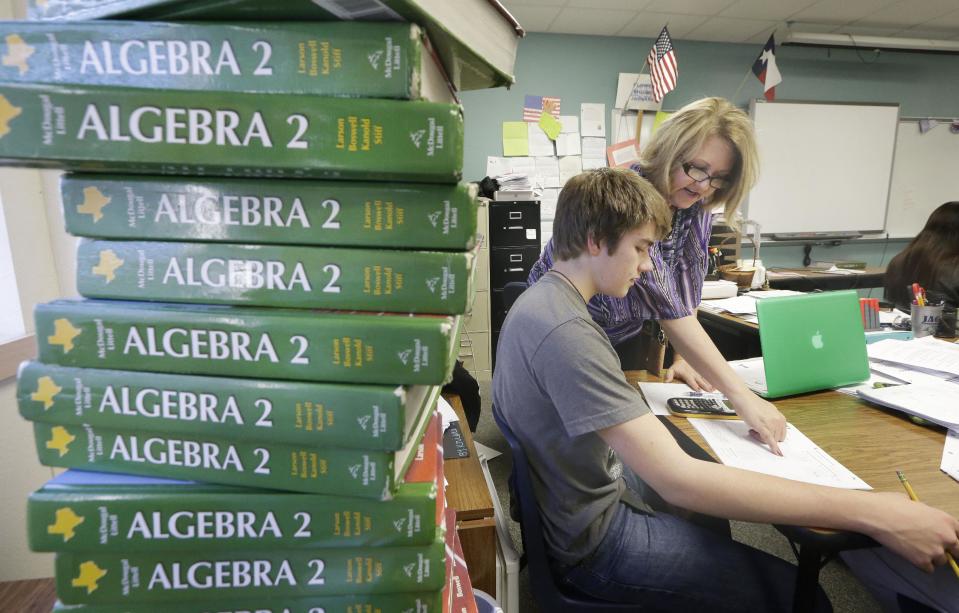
[514, 246]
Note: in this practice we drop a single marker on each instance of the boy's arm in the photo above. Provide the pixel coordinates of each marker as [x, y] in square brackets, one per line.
[919, 533]
[691, 340]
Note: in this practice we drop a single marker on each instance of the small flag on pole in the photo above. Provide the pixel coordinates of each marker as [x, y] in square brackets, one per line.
[533, 107]
[663, 69]
[766, 70]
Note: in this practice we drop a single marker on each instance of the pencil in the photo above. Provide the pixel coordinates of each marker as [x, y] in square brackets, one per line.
[912, 496]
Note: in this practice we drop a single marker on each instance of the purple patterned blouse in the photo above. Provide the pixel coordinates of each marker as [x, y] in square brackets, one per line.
[670, 291]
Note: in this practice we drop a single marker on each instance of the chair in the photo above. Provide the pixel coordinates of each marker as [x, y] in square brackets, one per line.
[511, 292]
[550, 594]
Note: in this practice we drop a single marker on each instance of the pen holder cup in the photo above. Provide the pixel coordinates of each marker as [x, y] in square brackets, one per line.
[947, 325]
[925, 319]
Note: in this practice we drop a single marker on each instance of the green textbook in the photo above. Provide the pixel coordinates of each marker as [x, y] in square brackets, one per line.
[277, 275]
[86, 577]
[376, 417]
[292, 344]
[329, 213]
[476, 39]
[105, 128]
[312, 469]
[407, 602]
[102, 512]
[371, 60]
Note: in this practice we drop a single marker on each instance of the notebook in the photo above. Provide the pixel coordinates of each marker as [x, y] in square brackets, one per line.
[810, 342]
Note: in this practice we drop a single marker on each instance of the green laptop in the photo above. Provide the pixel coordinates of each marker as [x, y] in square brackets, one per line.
[810, 342]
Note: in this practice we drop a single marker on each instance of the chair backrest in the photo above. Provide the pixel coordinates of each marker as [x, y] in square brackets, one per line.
[550, 595]
[511, 292]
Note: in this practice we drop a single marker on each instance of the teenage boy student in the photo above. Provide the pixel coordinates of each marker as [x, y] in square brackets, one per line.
[593, 444]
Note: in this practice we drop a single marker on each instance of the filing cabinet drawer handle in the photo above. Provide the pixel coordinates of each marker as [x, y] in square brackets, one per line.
[520, 269]
[516, 257]
[515, 214]
[515, 228]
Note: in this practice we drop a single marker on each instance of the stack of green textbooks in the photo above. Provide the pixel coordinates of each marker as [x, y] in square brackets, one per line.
[275, 258]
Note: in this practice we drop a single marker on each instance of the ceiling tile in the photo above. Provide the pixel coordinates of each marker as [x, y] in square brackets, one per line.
[764, 9]
[808, 26]
[535, 18]
[648, 25]
[725, 30]
[625, 5]
[908, 13]
[948, 21]
[598, 22]
[832, 11]
[689, 7]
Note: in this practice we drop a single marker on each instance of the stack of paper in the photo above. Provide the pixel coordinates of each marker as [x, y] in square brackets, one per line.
[924, 374]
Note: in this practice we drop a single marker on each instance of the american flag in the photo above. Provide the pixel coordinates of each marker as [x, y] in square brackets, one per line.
[663, 67]
[533, 107]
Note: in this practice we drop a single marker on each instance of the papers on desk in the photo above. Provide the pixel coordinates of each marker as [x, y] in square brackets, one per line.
[656, 395]
[832, 270]
[802, 459]
[927, 353]
[753, 373]
[737, 305]
[950, 455]
[935, 402]
[772, 293]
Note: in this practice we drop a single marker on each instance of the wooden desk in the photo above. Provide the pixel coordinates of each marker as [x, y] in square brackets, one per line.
[810, 280]
[28, 596]
[475, 521]
[736, 338]
[870, 441]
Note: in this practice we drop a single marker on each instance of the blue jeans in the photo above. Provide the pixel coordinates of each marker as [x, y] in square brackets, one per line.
[664, 563]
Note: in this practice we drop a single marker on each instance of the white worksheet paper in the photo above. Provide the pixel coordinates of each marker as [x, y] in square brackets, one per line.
[802, 459]
[927, 352]
[736, 304]
[568, 144]
[656, 395]
[592, 119]
[539, 143]
[569, 123]
[569, 167]
[950, 455]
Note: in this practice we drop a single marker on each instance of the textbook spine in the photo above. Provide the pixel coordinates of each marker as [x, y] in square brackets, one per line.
[297, 468]
[273, 275]
[298, 345]
[355, 416]
[229, 134]
[374, 60]
[86, 577]
[74, 512]
[330, 213]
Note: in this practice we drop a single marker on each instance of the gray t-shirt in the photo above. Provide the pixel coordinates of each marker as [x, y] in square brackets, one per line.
[558, 381]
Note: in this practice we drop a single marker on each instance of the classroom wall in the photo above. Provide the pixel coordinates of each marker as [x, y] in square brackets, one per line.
[585, 68]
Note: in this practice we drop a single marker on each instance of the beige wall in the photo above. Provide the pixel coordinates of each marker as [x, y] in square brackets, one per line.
[44, 260]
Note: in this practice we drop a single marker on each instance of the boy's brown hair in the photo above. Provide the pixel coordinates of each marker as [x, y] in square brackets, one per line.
[604, 204]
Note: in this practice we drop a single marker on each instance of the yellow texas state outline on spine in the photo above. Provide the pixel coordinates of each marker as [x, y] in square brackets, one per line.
[65, 523]
[47, 389]
[8, 113]
[18, 52]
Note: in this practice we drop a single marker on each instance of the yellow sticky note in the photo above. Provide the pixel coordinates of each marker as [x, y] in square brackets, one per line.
[550, 125]
[660, 118]
[515, 138]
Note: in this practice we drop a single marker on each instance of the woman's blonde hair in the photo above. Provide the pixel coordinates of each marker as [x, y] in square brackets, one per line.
[679, 138]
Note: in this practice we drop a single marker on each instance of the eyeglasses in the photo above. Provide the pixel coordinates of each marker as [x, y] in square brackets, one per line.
[698, 174]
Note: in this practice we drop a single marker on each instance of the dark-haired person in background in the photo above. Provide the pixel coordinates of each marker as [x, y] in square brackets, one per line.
[931, 260]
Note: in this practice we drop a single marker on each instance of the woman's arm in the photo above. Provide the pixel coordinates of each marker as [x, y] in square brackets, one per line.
[694, 344]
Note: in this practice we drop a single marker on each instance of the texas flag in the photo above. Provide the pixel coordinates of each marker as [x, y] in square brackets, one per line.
[766, 70]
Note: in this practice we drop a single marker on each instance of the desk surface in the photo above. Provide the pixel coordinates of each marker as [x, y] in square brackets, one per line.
[872, 442]
[809, 279]
[468, 492]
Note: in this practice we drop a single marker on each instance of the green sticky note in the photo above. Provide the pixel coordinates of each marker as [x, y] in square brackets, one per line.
[550, 125]
[661, 116]
[515, 138]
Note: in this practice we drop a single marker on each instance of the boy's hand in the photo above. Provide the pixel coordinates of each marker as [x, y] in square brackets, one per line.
[919, 533]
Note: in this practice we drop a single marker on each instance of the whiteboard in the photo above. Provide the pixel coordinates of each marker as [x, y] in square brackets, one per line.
[823, 167]
[925, 175]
